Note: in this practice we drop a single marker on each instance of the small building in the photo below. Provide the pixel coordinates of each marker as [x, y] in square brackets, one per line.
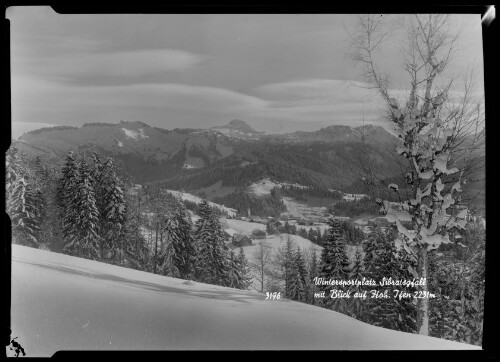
[274, 226]
[258, 234]
[277, 223]
[241, 240]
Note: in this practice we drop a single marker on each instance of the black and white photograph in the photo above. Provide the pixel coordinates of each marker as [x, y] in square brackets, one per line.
[246, 181]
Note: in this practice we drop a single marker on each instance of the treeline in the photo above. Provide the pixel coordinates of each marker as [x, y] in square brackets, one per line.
[352, 234]
[55, 128]
[270, 205]
[456, 279]
[302, 193]
[354, 208]
[85, 206]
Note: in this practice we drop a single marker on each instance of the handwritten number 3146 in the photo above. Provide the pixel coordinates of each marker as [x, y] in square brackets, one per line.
[273, 296]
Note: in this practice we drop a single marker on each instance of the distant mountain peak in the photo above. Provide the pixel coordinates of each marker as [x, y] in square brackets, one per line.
[239, 125]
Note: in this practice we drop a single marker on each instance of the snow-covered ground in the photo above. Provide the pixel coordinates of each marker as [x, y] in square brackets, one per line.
[198, 200]
[302, 210]
[264, 186]
[61, 302]
[243, 227]
[134, 134]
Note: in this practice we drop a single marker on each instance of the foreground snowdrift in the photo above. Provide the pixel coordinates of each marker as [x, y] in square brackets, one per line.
[65, 303]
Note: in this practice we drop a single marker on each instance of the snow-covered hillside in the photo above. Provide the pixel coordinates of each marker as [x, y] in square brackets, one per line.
[198, 200]
[264, 186]
[61, 302]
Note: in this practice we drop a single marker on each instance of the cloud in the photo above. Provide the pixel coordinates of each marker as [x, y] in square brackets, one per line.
[48, 100]
[319, 100]
[123, 64]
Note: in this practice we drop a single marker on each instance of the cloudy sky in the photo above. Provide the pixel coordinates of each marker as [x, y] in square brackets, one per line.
[279, 73]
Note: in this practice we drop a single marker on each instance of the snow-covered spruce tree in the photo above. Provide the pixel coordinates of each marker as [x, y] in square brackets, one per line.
[393, 313]
[457, 311]
[15, 188]
[299, 285]
[88, 220]
[334, 265]
[185, 248]
[136, 248]
[433, 133]
[45, 176]
[161, 206]
[114, 208]
[137, 252]
[24, 200]
[66, 202]
[212, 253]
[238, 273]
[169, 257]
[372, 245]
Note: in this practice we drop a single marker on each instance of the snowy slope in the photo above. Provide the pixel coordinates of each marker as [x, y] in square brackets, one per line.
[198, 200]
[243, 227]
[62, 302]
[264, 186]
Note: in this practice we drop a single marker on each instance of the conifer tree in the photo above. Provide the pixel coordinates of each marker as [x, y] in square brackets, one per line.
[185, 248]
[334, 264]
[169, 255]
[212, 252]
[24, 200]
[136, 251]
[88, 215]
[66, 202]
[386, 261]
[299, 288]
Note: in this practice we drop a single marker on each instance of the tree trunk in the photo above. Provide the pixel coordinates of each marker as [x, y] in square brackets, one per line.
[262, 280]
[423, 303]
[156, 249]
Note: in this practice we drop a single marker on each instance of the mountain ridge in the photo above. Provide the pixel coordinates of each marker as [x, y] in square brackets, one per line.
[155, 154]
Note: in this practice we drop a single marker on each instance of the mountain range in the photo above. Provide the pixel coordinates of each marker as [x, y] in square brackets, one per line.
[232, 155]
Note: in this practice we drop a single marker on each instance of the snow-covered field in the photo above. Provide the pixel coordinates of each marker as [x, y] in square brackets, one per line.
[264, 186]
[243, 227]
[134, 134]
[61, 302]
[302, 210]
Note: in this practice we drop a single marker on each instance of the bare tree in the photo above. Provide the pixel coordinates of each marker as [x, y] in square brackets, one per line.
[440, 134]
[263, 260]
